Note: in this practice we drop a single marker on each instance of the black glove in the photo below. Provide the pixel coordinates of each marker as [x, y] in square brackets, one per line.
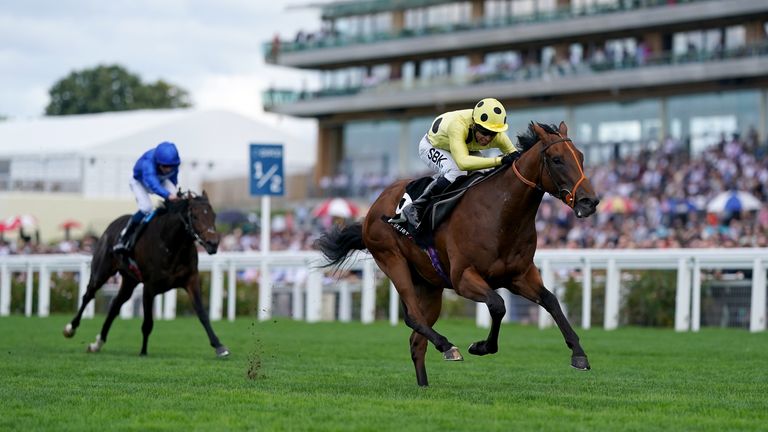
[510, 157]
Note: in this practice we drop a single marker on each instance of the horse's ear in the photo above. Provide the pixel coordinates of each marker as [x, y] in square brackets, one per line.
[205, 195]
[563, 129]
[540, 132]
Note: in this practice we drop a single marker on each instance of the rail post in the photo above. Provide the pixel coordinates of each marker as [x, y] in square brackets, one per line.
[548, 278]
[612, 282]
[314, 296]
[394, 312]
[231, 291]
[44, 292]
[683, 296]
[85, 275]
[5, 290]
[696, 296]
[757, 315]
[586, 295]
[368, 296]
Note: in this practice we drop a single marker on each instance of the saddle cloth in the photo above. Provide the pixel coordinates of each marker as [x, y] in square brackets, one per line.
[441, 205]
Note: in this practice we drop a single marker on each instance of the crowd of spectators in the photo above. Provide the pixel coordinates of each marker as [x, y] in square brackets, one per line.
[655, 199]
[664, 195]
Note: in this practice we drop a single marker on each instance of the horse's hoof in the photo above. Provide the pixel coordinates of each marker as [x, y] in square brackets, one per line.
[96, 346]
[580, 363]
[222, 352]
[481, 349]
[452, 354]
[69, 331]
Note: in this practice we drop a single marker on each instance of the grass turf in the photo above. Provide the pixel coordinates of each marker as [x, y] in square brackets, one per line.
[286, 375]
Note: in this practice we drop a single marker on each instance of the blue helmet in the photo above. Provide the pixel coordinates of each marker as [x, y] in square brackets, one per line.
[166, 154]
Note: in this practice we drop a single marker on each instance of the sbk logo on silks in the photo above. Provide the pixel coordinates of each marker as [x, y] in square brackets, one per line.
[436, 157]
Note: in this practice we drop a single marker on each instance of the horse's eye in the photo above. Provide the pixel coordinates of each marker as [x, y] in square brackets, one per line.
[557, 160]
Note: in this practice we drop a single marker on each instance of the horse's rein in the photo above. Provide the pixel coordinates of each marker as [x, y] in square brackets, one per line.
[569, 198]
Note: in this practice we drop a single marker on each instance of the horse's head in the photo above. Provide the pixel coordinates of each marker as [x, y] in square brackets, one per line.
[561, 169]
[200, 221]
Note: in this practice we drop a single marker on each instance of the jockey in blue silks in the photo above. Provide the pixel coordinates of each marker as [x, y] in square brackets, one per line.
[157, 172]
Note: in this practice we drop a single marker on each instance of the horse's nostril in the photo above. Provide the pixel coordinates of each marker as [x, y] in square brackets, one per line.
[590, 202]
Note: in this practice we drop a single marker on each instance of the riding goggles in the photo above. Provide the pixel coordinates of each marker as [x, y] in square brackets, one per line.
[484, 132]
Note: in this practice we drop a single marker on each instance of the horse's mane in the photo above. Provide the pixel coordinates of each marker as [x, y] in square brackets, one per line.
[526, 141]
[180, 206]
[529, 138]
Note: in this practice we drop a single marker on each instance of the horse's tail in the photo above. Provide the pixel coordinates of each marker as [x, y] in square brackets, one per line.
[339, 242]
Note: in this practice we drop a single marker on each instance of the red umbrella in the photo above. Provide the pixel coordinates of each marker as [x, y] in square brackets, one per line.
[617, 204]
[338, 207]
[69, 224]
[11, 223]
[14, 222]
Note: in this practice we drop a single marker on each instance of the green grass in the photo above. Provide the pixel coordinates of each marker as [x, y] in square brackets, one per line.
[353, 377]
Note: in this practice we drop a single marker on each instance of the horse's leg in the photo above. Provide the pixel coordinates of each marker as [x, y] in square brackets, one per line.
[431, 302]
[123, 295]
[195, 294]
[397, 269]
[148, 301]
[532, 288]
[98, 278]
[473, 286]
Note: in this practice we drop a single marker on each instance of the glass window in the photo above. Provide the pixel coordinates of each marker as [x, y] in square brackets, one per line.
[417, 128]
[518, 120]
[735, 37]
[610, 129]
[370, 148]
[700, 119]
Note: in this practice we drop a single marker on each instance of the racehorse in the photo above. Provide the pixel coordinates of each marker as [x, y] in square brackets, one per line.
[487, 242]
[164, 257]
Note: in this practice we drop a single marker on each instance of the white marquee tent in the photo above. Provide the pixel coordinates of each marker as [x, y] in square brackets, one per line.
[93, 154]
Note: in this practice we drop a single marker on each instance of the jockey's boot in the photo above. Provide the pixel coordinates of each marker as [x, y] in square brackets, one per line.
[413, 212]
[127, 238]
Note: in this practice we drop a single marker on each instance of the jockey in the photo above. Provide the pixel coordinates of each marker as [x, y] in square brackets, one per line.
[156, 172]
[452, 147]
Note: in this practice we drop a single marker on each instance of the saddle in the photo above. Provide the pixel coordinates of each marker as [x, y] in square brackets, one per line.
[436, 211]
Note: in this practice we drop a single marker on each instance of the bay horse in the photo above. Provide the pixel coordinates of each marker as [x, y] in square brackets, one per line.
[486, 243]
[164, 257]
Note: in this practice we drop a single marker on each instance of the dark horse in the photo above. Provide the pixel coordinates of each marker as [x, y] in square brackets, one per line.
[488, 242]
[165, 257]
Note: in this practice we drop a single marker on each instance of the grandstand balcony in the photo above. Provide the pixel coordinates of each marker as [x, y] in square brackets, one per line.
[328, 51]
[743, 66]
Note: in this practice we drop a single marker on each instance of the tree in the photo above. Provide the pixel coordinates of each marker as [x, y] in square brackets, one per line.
[111, 88]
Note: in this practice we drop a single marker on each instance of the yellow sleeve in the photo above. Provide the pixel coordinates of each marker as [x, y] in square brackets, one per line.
[460, 152]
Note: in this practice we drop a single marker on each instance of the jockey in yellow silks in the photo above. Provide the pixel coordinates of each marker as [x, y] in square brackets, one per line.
[452, 147]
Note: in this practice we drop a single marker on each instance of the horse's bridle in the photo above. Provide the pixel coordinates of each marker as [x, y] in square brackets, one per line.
[566, 196]
[186, 219]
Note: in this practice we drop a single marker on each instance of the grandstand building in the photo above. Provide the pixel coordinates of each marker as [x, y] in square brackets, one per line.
[623, 74]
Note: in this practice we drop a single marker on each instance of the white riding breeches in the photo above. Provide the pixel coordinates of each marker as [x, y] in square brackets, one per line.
[439, 160]
[142, 194]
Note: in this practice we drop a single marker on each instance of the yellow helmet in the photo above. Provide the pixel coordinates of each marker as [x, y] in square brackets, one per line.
[490, 114]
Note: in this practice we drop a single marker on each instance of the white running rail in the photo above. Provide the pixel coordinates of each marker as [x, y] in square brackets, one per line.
[688, 263]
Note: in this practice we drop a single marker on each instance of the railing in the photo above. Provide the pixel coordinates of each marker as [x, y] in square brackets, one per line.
[307, 295]
[275, 97]
[569, 12]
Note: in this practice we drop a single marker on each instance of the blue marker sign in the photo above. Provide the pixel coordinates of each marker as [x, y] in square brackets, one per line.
[267, 170]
